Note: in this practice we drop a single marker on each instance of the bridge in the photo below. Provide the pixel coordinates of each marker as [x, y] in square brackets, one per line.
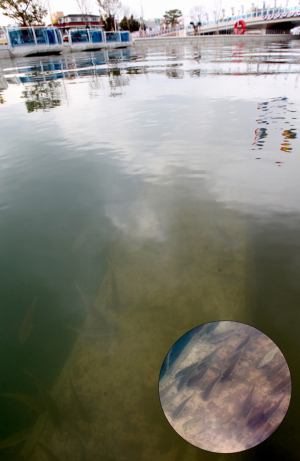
[274, 20]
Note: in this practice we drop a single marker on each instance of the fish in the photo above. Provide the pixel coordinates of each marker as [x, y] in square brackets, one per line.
[275, 371]
[208, 358]
[48, 453]
[81, 238]
[29, 400]
[247, 405]
[267, 414]
[27, 324]
[179, 409]
[92, 311]
[193, 422]
[196, 378]
[221, 336]
[187, 369]
[211, 327]
[243, 343]
[222, 421]
[209, 388]
[226, 374]
[256, 419]
[267, 357]
[48, 402]
[282, 385]
[84, 414]
[15, 439]
[115, 301]
[184, 379]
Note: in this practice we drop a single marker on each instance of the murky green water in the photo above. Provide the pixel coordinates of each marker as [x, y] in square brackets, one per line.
[159, 187]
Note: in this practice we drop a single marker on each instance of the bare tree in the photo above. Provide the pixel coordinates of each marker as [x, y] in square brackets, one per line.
[110, 7]
[198, 12]
[216, 11]
[85, 6]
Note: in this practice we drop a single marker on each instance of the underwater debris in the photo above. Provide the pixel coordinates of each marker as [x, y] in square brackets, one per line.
[48, 453]
[47, 399]
[27, 324]
[15, 439]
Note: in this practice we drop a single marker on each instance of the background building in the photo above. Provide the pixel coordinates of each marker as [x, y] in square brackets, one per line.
[76, 21]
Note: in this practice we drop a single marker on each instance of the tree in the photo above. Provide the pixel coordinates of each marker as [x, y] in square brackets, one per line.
[130, 24]
[24, 12]
[172, 17]
[198, 12]
[84, 6]
[216, 11]
[110, 9]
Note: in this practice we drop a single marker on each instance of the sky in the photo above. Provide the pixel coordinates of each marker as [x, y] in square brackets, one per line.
[154, 8]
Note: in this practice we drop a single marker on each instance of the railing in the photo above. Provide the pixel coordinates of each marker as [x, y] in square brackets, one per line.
[149, 34]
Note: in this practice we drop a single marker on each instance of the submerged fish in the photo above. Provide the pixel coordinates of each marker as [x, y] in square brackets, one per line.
[28, 400]
[208, 358]
[267, 414]
[275, 371]
[282, 385]
[267, 357]
[222, 421]
[15, 439]
[193, 422]
[84, 414]
[48, 402]
[27, 324]
[221, 336]
[80, 239]
[92, 311]
[179, 409]
[247, 403]
[226, 374]
[244, 342]
[186, 369]
[115, 301]
[211, 327]
[48, 453]
[196, 378]
[209, 388]
[184, 379]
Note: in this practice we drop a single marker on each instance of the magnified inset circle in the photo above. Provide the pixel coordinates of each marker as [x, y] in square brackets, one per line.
[227, 389]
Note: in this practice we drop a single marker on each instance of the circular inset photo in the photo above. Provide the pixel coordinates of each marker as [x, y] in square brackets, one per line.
[225, 387]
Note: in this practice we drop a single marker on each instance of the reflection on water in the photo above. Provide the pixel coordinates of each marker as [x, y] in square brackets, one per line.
[131, 212]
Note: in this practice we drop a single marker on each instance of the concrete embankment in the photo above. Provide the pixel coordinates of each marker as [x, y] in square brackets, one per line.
[222, 38]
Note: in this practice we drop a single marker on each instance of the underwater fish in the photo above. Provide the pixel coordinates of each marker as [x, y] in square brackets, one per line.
[29, 400]
[267, 357]
[193, 422]
[27, 324]
[267, 414]
[226, 374]
[208, 358]
[276, 370]
[187, 370]
[179, 409]
[221, 422]
[211, 327]
[92, 311]
[84, 414]
[196, 378]
[15, 439]
[115, 301]
[184, 379]
[48, 402]
[80, 239]
[48, 453]
[247, 405]
[243, 343]
[220, 336]
[282, 385]
[256, 418]
[209, 388]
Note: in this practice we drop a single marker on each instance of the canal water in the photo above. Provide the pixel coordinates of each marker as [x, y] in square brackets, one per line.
[143, 192]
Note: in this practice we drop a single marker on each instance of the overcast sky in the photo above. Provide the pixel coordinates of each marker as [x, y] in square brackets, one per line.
[154, 8]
